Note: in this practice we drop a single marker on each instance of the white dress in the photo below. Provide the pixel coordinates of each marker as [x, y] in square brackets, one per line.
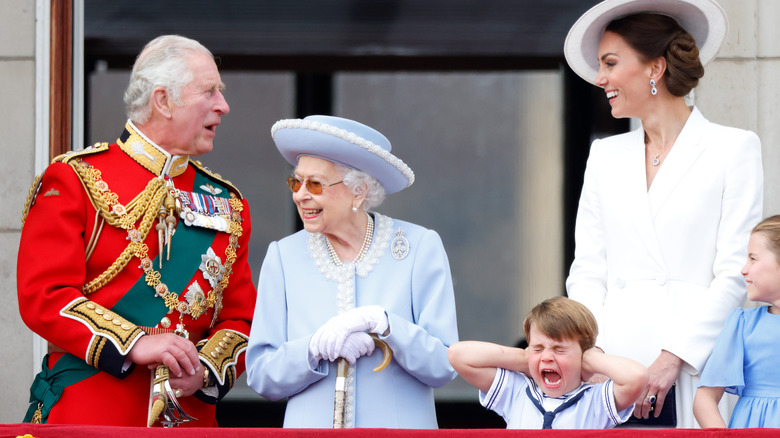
[660, 268]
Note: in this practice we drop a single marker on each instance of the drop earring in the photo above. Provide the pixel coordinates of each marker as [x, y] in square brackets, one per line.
[354, 209]
[653, 90]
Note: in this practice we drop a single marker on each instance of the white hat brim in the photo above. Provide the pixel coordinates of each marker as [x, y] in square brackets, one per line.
[705, 20]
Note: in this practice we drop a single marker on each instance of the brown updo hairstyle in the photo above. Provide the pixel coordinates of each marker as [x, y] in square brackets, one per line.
[770, 229]
[655, 35]
[561, 318]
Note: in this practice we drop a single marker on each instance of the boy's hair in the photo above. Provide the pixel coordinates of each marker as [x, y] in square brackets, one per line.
[561, 318]
[770, 229]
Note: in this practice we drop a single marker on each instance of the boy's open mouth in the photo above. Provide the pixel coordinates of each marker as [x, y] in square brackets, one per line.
[551, 378]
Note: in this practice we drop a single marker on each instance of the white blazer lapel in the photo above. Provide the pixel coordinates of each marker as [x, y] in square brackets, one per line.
[684, 153]
[633, 185]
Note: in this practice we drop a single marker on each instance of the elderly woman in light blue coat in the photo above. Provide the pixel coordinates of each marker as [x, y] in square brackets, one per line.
[351, 272]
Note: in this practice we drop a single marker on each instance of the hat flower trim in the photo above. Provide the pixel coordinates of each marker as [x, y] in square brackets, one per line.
[350, 137]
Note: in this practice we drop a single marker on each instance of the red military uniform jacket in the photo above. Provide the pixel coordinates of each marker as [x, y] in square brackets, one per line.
[90, 282]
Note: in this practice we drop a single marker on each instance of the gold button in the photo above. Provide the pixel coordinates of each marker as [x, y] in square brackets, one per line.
[117, 321]
[126, 326]
[165, 322]
[91, 306]
[214, 354]
[108, 316]
[222, 344]
[99, 311]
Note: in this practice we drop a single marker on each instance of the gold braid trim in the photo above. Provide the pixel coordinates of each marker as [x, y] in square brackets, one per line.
[145, 205]
[107, 325]
[221, 353]
[31, 196]
[216, 176]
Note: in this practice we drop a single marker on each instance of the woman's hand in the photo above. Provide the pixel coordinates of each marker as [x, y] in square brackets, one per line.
[356, 345]
[328, 341]
[663, 372]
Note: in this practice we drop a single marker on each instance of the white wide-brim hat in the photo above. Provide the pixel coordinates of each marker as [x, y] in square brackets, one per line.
[342, 141]
[705, 20]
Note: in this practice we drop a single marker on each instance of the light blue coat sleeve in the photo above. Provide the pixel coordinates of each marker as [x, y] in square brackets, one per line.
[277, 366]
[420, 344]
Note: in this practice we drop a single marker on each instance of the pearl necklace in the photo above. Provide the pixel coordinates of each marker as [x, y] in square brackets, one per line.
[363, 249]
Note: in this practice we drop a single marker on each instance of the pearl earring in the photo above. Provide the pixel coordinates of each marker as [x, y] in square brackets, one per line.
[653, 90]
[354, 209]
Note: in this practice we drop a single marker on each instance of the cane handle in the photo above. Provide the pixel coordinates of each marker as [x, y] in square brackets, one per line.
[387, 353]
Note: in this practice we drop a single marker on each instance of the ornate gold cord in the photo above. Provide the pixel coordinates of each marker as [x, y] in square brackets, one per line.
[120, 216]
[147, 204]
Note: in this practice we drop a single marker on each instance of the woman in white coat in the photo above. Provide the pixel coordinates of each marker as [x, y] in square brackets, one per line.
[349, 273]
[666, 210]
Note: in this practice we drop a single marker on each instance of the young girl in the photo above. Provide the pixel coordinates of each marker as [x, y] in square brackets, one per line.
[744, 361]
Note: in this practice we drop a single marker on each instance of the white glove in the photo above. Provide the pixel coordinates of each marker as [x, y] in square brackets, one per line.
[356, 345]
[327, 341]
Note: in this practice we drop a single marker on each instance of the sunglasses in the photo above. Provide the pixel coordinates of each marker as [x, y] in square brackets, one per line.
[314, 187]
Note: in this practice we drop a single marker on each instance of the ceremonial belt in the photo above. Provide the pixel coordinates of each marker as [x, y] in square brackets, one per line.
[139, 305]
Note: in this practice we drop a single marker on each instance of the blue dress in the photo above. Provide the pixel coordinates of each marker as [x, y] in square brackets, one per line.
[744, 362]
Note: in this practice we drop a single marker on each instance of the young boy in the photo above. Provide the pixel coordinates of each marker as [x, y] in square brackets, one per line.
[561, 334]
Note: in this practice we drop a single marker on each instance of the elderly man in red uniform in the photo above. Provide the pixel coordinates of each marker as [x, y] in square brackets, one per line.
[133, 259]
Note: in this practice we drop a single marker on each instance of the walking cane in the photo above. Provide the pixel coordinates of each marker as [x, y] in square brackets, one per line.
[340, 397]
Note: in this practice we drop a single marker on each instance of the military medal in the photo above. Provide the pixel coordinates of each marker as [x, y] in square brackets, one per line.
[205, 211]
[212, 268]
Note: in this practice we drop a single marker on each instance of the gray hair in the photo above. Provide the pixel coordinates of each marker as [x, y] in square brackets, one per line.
[374, 190]
[162, 63]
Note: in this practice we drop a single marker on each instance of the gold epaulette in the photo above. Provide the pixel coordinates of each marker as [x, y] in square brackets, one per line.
[94, 149]
[64, 158]
[216, 176]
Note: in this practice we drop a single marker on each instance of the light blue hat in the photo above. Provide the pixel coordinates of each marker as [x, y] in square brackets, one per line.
[342, 141]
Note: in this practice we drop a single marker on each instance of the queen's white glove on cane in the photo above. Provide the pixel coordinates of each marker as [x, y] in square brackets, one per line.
[356, 345]
[327, 341]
